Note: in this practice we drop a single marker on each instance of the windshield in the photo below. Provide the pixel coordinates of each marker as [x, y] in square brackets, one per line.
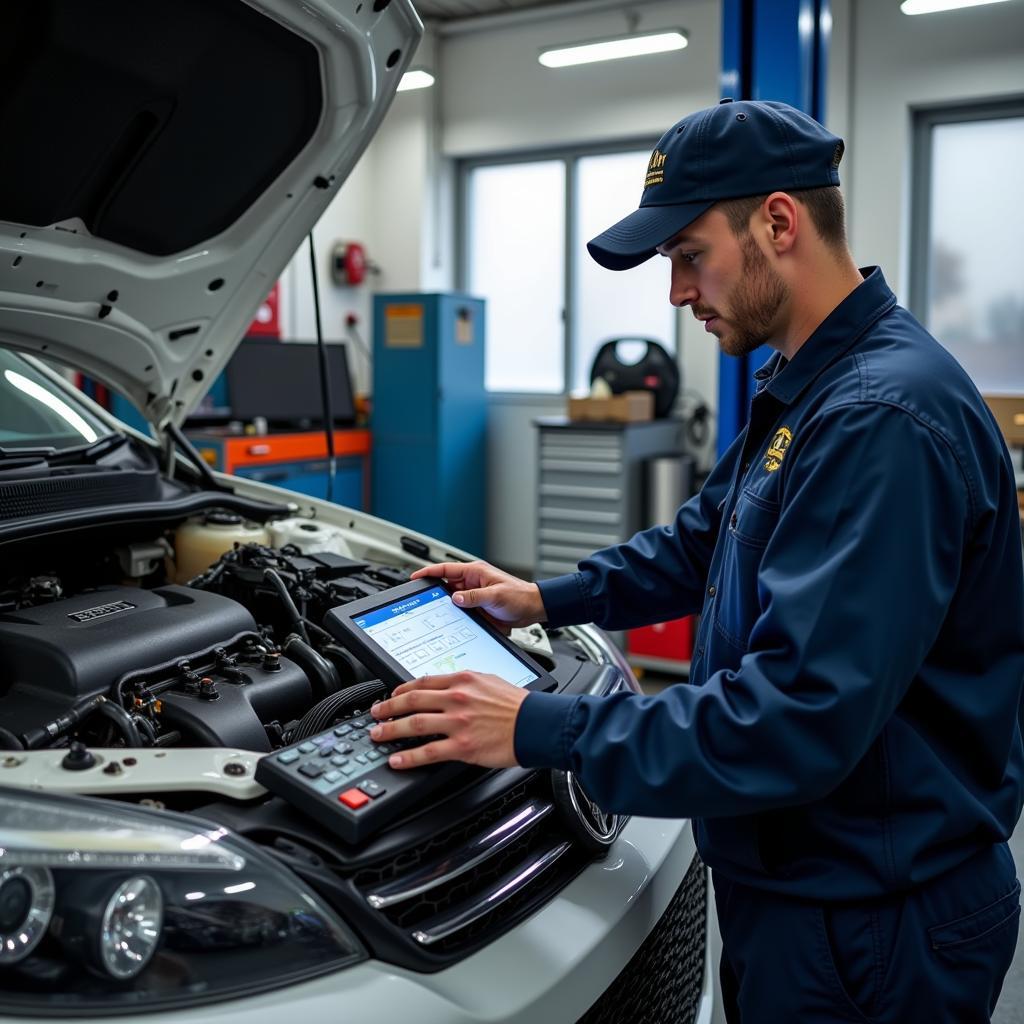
[36, 413]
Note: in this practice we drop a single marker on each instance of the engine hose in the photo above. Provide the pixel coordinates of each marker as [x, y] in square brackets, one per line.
[122, 720]
[146, 726]
[350, 668]
[318, 718]
[8, 741]
[322, 675]
[321, 635]
[271, 576]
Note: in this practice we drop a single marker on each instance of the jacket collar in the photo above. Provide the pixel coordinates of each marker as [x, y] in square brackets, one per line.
[834, 336]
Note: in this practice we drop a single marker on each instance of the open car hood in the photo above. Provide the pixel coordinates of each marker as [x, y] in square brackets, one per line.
[162, 162]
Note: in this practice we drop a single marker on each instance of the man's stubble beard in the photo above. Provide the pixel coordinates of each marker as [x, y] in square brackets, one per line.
[755, 303]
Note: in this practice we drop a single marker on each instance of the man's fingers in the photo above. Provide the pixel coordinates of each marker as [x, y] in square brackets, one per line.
[429, 570]
[416, 695]
[441, 682]
[475, 598]
[410, 727]
[453, 571]
[426, 753]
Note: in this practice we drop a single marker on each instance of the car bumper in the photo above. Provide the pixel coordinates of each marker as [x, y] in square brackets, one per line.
[548, 970]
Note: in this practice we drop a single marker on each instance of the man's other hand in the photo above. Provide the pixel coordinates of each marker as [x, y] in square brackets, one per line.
[475, 713]
[507, 601]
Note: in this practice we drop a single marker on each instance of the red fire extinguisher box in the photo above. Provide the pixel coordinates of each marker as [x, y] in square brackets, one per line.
[667, 646]
[267, 323]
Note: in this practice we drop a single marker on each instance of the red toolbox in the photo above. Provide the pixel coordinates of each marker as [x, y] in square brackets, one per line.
[664, 647]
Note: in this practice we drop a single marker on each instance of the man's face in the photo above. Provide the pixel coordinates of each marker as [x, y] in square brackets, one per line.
[727, 281]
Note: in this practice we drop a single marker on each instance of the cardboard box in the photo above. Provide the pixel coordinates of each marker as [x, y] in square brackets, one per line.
[1009, 413]
[629, 407]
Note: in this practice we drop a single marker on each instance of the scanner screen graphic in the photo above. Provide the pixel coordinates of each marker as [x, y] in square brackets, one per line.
[428, 635]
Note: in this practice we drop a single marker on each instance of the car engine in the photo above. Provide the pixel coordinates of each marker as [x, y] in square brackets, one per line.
[235, 658]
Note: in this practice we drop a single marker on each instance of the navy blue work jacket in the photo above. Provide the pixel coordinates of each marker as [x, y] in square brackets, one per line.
[852, 722]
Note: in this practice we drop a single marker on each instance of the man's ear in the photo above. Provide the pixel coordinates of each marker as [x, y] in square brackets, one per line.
[781, 219]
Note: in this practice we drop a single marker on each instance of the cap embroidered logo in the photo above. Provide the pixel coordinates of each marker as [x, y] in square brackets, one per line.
[655, 169]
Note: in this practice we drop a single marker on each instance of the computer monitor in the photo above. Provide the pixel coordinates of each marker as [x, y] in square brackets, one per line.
[280, 381]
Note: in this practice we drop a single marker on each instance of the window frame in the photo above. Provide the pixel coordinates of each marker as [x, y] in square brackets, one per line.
[570, 157]
[925, 120]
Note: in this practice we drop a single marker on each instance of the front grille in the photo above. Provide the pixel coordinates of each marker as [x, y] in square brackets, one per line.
[416, 856]
[662, 984]
[460, 890]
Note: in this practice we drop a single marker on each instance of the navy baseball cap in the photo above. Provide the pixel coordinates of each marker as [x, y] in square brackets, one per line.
[733, 149]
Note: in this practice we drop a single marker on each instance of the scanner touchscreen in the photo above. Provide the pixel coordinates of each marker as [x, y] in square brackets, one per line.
[427, 634]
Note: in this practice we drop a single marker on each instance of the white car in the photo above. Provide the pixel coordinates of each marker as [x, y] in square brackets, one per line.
[162, 162]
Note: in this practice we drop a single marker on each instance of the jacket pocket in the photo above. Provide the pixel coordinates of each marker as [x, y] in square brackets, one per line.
[737, 605]
[962, 933]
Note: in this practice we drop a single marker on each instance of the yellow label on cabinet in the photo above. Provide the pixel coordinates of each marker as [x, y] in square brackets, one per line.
[403, 326]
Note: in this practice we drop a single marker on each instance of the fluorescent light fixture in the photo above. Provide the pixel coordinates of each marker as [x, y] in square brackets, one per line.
[932, 6]
[613, 49]
[415, 80]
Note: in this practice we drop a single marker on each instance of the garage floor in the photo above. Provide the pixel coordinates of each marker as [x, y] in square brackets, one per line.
[1011, 1003]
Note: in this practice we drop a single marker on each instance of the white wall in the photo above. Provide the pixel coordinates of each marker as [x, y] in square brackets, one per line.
[384, 205]
[899, 63]
[346, 219]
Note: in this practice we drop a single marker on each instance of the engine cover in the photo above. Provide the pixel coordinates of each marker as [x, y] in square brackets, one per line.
[54, 655]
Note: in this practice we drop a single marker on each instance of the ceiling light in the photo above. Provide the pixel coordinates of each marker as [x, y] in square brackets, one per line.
[415, 80]
[931, 6]
[613, 49]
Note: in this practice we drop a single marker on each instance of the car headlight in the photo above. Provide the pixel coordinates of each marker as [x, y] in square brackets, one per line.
[105, 908]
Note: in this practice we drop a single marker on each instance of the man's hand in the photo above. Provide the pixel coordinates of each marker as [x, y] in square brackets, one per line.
[506, 600]
[475, 713]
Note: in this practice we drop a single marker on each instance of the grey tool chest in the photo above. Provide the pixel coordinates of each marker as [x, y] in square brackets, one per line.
[590, 485]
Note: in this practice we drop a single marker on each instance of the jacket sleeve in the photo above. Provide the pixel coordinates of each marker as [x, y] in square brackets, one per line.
[854, 585]
[657, 575]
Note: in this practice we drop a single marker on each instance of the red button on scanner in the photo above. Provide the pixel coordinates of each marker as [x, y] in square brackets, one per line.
[353, 798]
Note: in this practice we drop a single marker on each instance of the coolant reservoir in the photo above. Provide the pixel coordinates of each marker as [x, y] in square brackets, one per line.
[201, 540]
[309, 536]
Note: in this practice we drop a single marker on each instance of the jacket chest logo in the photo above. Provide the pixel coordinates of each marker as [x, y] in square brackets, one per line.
[777, 449]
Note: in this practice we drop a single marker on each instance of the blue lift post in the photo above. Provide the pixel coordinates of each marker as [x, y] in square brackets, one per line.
[771, 50]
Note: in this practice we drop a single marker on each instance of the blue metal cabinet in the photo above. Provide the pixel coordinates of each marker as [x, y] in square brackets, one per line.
[430, 415]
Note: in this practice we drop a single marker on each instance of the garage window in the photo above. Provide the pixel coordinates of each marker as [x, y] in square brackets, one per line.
[966, 284]
[526, 223]
[516, 262]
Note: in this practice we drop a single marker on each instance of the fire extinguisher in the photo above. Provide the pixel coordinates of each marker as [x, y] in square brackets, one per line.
[349, 264]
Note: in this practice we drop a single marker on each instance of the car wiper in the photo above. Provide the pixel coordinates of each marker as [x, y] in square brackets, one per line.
[87, 452]
[12, 458]
[26, 453]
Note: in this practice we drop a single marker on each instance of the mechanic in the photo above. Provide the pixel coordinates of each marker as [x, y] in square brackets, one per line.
[849, 745]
